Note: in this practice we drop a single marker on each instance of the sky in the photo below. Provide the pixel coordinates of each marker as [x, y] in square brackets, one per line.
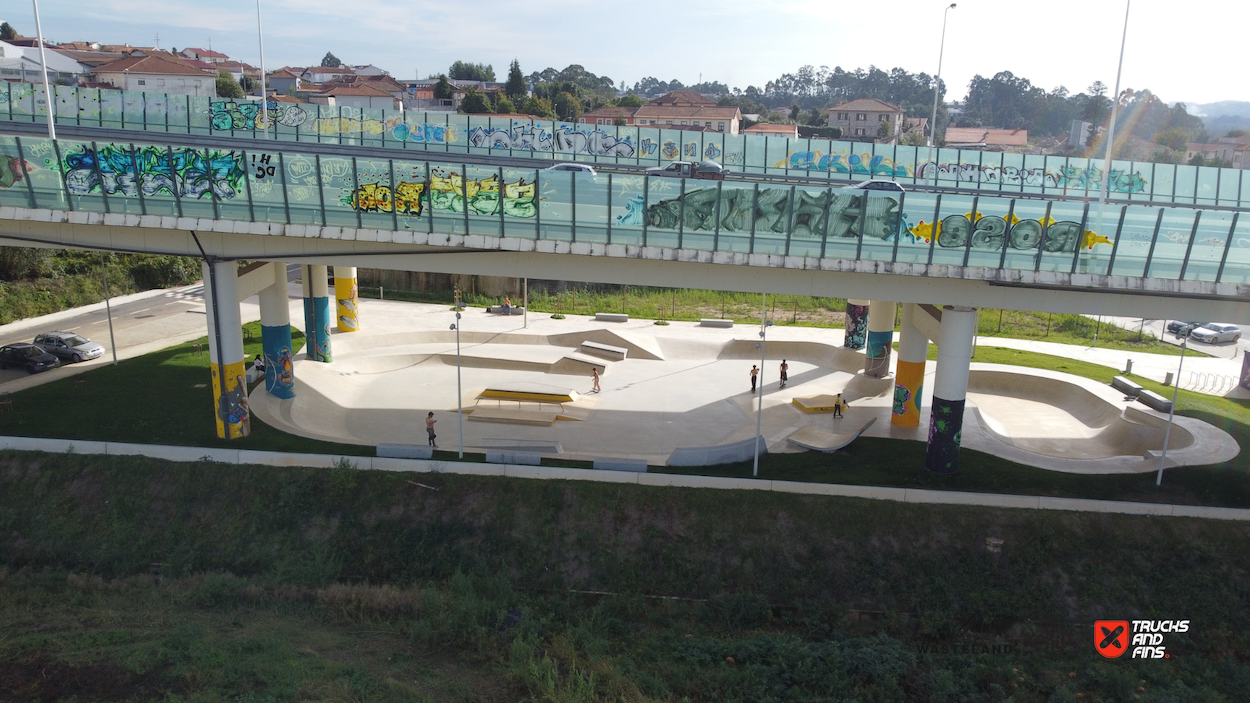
[1171, 48]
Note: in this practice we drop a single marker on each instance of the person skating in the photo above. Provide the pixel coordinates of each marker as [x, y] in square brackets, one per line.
[784, 376]
[429, 428]
[755, 373]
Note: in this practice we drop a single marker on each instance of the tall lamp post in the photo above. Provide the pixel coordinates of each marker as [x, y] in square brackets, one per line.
[937, 91]
[1115, 104]
[759, 412]
[264, 91]
[459, 396]
[43, 60]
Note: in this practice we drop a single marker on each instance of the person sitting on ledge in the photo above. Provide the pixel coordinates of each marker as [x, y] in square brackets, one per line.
[259, 364]
[507, 306]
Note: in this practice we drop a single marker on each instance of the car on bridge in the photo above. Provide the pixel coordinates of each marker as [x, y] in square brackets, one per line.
[1216, 332]
[573, 168]
[684, 169]
[1181, 328]
[67, 345]
[28, 356]
[876, 184]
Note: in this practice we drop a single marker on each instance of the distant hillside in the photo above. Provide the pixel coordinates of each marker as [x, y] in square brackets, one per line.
[1234, 108]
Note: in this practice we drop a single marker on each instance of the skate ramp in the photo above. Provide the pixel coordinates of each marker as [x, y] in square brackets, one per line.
[820, 440]
[815, 353]
[640, 346]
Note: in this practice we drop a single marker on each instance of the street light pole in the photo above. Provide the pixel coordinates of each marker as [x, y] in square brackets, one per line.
[759, 413]
[43, 61]
[1115, 104]
[264, 90]
[937, 91]
[1167, 435]
[459, 395]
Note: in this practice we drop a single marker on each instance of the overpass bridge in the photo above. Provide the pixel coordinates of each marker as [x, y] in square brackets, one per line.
[234, 199]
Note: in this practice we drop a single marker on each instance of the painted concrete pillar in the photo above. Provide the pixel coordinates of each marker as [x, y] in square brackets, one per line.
[856, 323]
[316, 313]
[275, 336]
[880, 338]
[346, 294]
[950, 388]
[913, 347]
[221, 301]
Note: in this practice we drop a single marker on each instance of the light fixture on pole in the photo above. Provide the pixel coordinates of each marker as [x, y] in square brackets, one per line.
[759, 413]
[1115, 104]
[264, 92]
[1167, 435]
[43, 61]
[937, 91]
[459, 396]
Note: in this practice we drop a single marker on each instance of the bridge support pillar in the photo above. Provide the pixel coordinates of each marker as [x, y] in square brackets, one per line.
[950, 388]
[856, 323]
[316, 313]
[275, 336]
[880, 338]
[225, 349]
[913, 348]
[347, 295]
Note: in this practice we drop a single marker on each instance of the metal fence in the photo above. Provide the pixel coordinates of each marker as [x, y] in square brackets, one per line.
[419, 193]
[1057, 176]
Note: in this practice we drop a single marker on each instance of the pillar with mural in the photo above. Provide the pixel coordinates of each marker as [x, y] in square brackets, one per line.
[275, 336]
[950, 389]
[880, 340]
[316, 313]
[913, 348]
[347, 297]
[225, 350]
[856, 323]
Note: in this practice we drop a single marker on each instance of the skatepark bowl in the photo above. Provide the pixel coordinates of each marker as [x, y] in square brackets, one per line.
[683, 387]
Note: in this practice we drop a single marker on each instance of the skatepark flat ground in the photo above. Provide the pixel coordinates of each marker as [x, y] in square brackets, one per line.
[402, 364]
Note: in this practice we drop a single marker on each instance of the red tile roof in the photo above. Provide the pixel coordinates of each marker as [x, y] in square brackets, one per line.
[682, 98]
[767, 128]
[150, 64]
[866, 105]
[207, 52]
[988, 136]
[357, 90]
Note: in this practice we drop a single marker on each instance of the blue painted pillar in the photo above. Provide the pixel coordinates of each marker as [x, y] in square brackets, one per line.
[950, 388]
[316, 313]
[880, 345]
[275, 336]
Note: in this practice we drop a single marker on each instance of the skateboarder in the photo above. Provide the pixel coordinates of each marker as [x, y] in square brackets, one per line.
[595, 373]
[784, 376]
[755, 372]
[429, 428]
[838, 404]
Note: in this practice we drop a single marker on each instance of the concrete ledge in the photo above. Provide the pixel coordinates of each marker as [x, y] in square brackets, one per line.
[312, 461]
[525, 458]
[160, 451]
[1121, 383]
[713, 322]
[611, 317]
[603, 351]
[681, 481]
[841, 490]
[55, 446]
[718, 454]
[1104, 506]
[498, 310]
[405, 451]
[1154, 400]
[991, 500]
[1199, 511]
[566, 474]
[618, 464]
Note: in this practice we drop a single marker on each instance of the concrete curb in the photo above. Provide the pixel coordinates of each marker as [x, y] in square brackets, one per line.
[247, 457]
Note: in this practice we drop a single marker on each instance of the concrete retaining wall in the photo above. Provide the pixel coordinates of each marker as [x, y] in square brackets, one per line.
[364, 463]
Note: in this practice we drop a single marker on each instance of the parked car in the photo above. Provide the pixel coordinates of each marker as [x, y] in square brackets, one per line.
[574, 168]
[1216, 332]
[685, 169]
[876, 184]
[68, 345]
[1181, 328]
[29, 356]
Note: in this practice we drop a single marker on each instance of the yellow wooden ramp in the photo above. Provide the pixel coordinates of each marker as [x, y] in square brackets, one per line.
[531, 396]
[513, 416]
[818, 403]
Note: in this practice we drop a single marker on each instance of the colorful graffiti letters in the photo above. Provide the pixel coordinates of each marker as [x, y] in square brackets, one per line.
[424, 133]
[564, 140]
[185, 172]
[447, 191]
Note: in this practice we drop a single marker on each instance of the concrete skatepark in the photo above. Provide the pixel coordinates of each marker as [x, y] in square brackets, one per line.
[684, 386]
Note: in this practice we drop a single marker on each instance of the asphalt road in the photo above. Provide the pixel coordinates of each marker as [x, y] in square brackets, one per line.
[1224, 350]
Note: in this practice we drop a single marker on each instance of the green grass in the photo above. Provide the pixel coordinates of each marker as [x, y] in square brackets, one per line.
[285, 584]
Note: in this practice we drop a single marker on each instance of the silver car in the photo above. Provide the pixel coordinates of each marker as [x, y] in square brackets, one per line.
[574, 168]
[1216, 332]
[67, 345]
[876, 184]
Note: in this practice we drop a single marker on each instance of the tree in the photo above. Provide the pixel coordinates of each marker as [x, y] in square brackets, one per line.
[442, 89]
[913, 138]
[464, 71]
[505, 107]
[794, 112]
[1167, 156]
[883, 129]
[515, 87]
[630, 101]
[7, 32]
[475, 103]
[227, 87]
[568, 107]
[1174, 139]
[539, 107]
[330, 61]
[248, 84]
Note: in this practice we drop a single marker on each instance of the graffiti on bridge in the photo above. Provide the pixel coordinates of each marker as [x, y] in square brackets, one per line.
[13, 170]
[864, 165]
[565, 140]
[990, 233]
[424, 133]
[1074, 177]
[231, 114]
[184, 172]
[446, 191]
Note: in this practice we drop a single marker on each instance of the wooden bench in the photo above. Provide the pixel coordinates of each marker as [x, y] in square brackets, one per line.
[1121, 383]
[604, 351]
[715, 322]
[1154, 400]
[611, 317]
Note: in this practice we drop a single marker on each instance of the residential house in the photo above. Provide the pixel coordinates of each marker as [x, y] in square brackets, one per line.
[369, 70]
[684, 109]
[1232, 150]
[420, 96]
[773, 130]
[205, 55]
[20, 63]
[317, 75]
[364, 96]
[382, 82]
[284, 80]
[1207, 151]
[986, 138]
[90, 58]
[608, 116]
[860, 120]
[157, 73]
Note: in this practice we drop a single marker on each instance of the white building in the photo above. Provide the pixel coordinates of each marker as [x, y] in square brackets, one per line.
[21, 63]
[156, 74]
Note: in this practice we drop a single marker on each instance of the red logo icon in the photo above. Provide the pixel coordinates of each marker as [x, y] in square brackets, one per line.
[1111, 637]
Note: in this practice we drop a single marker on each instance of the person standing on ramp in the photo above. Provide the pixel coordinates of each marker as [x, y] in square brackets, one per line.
[429, 428]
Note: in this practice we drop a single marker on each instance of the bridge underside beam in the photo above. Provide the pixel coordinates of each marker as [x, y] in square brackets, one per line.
[650, 266]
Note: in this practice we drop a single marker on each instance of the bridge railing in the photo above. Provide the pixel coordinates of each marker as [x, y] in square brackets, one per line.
[417, 193]
[1061, 176]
